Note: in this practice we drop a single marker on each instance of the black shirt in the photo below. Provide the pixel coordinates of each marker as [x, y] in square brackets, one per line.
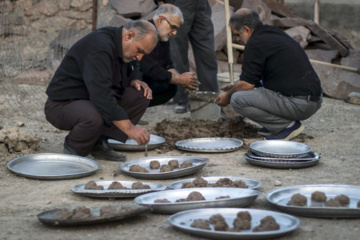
[155, 65]
[93, 69]
[279, 61]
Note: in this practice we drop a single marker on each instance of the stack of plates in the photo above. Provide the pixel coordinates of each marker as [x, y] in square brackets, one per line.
[281, 154]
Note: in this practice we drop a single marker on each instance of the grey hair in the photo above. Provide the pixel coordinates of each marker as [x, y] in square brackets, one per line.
[246, 17]
[141, 28]
[169, 10]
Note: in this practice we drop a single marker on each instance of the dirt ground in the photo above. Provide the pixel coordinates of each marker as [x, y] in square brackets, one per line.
[332, 132]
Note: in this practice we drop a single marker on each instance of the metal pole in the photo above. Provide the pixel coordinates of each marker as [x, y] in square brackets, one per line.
[317, 12]
[94, 15]
[229, 41]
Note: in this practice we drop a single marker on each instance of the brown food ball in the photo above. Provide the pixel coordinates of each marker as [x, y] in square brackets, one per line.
[332, 203]
[186, 164]
[343, 199]
[318, 196]
[164, 200]
[63, 214]
[245, 215]
[107, 210]
[267, 224]
[99, 188]
[201, 223]
[137, 168]
[188, 185]
[241, 224]
[240, 184]
[195, 196]
[140, 185]
[81, 212]
[221, 226]
[200, 182]
[165, 168]
[174, 163]
[90, 185]
[298, 200]
[155, 164]
[115, 185]
[224, 182]
[216, 217]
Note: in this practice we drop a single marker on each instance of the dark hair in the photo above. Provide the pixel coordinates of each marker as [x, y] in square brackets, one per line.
[245, 18]
[141, 28]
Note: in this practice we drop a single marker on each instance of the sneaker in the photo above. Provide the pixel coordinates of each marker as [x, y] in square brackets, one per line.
[181, 108]
[68, 150]
[103, 151]
[287, 133]
[263, 132]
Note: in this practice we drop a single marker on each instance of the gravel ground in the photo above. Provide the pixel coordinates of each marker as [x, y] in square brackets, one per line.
[333, 132]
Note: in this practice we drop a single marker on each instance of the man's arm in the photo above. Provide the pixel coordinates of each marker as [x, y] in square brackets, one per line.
[224, 98]
[187, 79]
[140, 135]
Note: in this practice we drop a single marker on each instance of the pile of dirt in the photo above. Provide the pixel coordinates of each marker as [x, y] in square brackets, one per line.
[14, 141]
[174, 131]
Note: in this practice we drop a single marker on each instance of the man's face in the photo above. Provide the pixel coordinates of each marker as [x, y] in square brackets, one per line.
[241, 36]
[167, 27]
[135, 50]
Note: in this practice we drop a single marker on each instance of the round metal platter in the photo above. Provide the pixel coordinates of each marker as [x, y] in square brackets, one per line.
[251, 183]
[280, 149]
[239, 197]
[183, 221]
[282, 163]
[132, 145]
[281, 196]
[116, 193]
[52, 166]
[47, 217]
[209, 145]
[311, 156]
[198, 163]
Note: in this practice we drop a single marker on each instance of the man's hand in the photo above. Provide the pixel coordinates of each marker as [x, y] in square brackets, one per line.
[137, 84]
[140, 135]
[189, 81]
[222, 99]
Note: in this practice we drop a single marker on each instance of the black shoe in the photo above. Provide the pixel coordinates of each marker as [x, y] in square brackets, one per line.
[68, 150]
[287, 133]
[181, 108]
[263, 132]
[102, 150]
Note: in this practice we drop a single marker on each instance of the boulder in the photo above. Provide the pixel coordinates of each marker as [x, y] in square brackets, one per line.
[118, 21]
[353, 98]
[133, 8]
[219, 22]
[261, 8]
[300, 34]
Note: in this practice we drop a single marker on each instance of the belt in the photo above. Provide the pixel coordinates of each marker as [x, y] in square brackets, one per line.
[308, 97]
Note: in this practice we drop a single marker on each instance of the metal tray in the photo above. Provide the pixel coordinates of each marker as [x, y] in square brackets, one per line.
[183, 221]
[198, 163]
[47, 217]
[281, 163]
[209, 145]
[53, 166]
[116, 193]
[132, 145]
[280, 197]
[239, 197]
[280, 149]
[309, 157]
[251, 183]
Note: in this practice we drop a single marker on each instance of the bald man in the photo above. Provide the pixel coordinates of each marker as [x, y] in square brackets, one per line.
[95, 93]
[287, 90]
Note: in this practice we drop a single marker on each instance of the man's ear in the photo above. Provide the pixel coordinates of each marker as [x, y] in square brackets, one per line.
[246, 29]
[130, 35]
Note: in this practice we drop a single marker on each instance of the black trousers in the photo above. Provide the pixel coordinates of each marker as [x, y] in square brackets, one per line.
[85, 123]
[162, 92]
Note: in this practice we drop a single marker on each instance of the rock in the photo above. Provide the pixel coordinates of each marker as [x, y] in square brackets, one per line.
[353, 98]
[64, 4]
[20, 124]
[33, 76]
[277, 183]
[261, 8]
[48, 8]
[118, 21]
[80, 4]
[279, 8]
[218, 19]
[322, 55]
[300, 34]
[133, 8]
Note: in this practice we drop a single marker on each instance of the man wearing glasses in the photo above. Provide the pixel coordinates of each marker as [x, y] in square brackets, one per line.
[95, 93]
[157, 67]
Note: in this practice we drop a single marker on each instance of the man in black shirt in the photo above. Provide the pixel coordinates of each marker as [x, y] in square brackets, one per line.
[95, 93]
[290, 88]
[157, 67]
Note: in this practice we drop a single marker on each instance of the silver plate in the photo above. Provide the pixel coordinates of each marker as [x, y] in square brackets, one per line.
[280, 197]
[311, 156]
[239, 197]
[251, 183]
[132, 145]
[209, 145]
[183, 221]
[47, 217]
[280, 149]
[116, 193]
[53, 166]
[198, 163]
[281, 163]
